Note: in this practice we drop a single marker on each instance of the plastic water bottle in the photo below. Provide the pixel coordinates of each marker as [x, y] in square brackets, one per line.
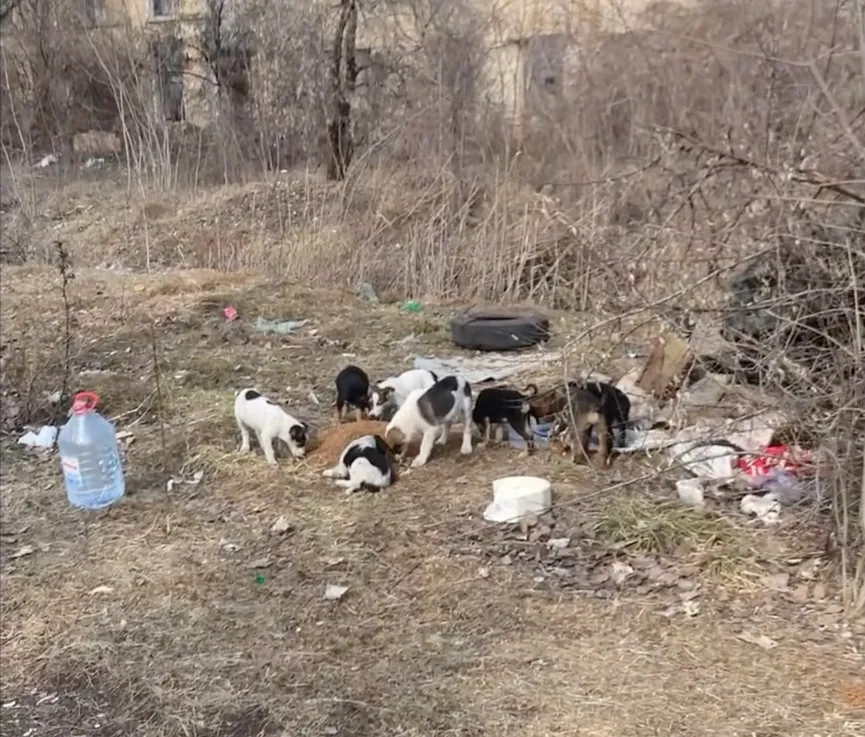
[90, 456]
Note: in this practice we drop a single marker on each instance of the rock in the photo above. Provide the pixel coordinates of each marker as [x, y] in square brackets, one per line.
[558, 543]
[281, 526]
[334, 592]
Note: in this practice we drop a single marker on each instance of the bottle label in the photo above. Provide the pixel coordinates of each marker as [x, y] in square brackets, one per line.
[71, 471]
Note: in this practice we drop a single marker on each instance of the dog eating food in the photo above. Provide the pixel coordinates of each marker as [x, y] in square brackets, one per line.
[573, 426]
[269, 421]
[352, 390]
[499, 406]
[430, 413]
[365, 463]
[389, 395]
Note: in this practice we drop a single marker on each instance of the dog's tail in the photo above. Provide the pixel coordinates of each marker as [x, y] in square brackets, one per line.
[531, 390]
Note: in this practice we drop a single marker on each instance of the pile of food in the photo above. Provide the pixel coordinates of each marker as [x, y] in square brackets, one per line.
[331, 441]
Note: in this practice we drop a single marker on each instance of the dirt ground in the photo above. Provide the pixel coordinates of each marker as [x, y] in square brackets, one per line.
[184, 613]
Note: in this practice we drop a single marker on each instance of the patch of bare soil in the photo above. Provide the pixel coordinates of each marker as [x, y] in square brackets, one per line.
[196, 612]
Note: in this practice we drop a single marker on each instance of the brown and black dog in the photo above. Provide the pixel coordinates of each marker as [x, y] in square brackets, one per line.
[573, 425]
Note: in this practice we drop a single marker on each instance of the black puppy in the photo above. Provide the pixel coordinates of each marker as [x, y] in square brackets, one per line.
[352, 390]
[498, 406]
[616, 408]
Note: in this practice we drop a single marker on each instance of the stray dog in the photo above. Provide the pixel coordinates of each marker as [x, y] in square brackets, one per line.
[365, 463]
[499, 406]
[389, 395]
[617, 410]
[269, 421]
[573, 426]
[352, 390]
[546, 405]
[430, 413]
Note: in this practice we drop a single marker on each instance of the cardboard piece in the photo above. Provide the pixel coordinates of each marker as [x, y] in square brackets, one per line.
[670, 358]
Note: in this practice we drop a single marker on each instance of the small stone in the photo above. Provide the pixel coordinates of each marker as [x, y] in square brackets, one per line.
[558, 543]
[280, 526]
[334, 592]
[620, 572]
[484, 572]
[260, 563]
[506, 560]
[685, 584]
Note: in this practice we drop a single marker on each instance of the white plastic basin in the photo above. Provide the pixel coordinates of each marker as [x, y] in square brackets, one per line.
[516, 497]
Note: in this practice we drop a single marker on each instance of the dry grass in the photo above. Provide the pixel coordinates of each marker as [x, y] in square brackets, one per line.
[184, 614]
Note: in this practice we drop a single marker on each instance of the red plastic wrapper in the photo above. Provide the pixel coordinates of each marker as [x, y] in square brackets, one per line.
[794, 461]
[230, 312]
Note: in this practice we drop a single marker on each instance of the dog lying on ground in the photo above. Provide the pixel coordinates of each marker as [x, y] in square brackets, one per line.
[365, 463]
[269, 421]
[429, 413]
[352, 390]
[499, 406]
[389, 395]
[573, 427]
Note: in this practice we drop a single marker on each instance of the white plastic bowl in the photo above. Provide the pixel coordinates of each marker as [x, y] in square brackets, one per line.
[517, 497]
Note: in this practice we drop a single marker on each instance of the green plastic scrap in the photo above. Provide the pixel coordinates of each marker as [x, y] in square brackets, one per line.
[411, 305]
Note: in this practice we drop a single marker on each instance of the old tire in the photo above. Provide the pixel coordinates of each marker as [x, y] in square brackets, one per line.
[499, 329]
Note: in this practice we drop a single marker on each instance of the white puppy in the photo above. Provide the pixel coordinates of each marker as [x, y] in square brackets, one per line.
[269, 421]
[430, 413]
[365, 462]
[389, 395]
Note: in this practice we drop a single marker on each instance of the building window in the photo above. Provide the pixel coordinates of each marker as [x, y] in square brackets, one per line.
[163, 8]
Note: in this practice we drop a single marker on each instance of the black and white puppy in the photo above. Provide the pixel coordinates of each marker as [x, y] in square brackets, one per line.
[498, 406]
[616, 408]
[365, 463]
[429, 413]
[269, 421]
[352, 390]
[389, 395]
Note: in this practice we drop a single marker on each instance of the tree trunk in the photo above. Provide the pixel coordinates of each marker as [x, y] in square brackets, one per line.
[343, 80]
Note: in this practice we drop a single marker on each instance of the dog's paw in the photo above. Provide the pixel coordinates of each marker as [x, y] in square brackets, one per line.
[243, 449]
[417, 462]
[466, 450]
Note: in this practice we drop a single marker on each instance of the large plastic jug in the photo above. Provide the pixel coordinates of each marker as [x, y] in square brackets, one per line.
[90, 456]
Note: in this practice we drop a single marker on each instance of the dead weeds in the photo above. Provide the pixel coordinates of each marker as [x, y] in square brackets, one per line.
[191, 613]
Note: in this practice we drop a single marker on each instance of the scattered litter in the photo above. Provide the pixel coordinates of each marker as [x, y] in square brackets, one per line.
[334, 592]
[767, 507]
[230, 312]
[716, 461]
[365, 290]
[22, 551]
[767, 643]
[125, 435]
[46, 161]
[410, 338]
[43, 439]
[515, 497]
[260, 563]
[411, 305]
[94, 162]
[477, 370]
[259, 578]
[99, 590]
[690, 491]
[483, 572]
[281, 526]
[280, 327]
[194, 481]
[558, 543]
[229, 547]
[707, 392]
[313, 398]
